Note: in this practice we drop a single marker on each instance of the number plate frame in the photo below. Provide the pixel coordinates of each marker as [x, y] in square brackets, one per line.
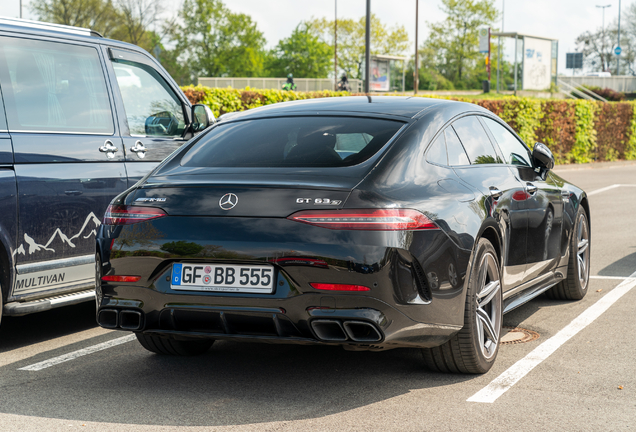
[229, 278]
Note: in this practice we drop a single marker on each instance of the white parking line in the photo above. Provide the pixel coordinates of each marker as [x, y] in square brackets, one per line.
[510, 377]
[79, 353]
[614, 186]
[611, 277]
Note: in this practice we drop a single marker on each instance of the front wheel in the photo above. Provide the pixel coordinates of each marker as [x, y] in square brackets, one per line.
[475, 347]
[160, 345]
[574, 287]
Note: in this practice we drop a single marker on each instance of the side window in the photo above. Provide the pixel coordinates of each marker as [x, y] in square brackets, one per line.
[515, 153]
[437, 151]
[456, 153]
[476, 142]
[152, 108]
[54, 87]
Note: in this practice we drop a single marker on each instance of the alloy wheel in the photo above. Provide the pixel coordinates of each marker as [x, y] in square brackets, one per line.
[489, 309]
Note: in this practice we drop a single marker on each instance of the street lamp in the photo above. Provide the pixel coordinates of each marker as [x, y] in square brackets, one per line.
[603, 45]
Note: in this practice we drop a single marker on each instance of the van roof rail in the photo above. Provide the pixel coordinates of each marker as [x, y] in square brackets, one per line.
[49, 26]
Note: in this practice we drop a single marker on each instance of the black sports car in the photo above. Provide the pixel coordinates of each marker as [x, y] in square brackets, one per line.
[366, 222]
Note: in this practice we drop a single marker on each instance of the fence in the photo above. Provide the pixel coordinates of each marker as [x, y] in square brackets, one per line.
[302, 84]
[624, 84]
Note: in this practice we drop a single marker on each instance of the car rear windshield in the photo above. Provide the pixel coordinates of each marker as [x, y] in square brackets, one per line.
[292, 142]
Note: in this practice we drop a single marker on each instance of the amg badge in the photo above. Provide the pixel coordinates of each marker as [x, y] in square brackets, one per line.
[150, 200]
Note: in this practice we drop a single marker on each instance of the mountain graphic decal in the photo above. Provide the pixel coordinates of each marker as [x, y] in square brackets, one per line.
[91, 223]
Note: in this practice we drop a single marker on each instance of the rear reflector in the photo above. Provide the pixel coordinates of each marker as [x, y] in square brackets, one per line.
[114, 278]
[339, 287]
[126, 215]
[366, 219]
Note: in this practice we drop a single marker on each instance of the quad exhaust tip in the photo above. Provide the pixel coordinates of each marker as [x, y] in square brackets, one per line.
[124, 319]
[335, 331]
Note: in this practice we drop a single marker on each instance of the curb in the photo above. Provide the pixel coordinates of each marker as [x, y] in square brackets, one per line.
[594, 165]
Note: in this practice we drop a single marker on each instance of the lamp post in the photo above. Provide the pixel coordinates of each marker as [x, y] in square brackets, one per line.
[367, 59]
[618, 44]
[416, 77]
[335, 47]
[603, 45]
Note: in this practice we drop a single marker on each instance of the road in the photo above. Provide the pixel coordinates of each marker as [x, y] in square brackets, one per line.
[579, 375]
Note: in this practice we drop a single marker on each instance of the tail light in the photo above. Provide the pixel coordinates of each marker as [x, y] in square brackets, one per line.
[118, 278]
[127, 215]
[339, 287]
[366, 219]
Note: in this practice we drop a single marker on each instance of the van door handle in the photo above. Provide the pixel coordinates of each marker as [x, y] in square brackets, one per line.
[139, 149]
[494, 192]
[109, 148]
[530, 188]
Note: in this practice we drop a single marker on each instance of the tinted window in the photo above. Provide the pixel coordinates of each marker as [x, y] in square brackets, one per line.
[456, 153]
[515, 153]
[475, 141]
[53, 87]
[152, 108]
[291, 142]
[437, 151]
[3, 122]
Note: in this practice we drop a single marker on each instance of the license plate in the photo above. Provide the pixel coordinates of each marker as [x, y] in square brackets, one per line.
[224, 278]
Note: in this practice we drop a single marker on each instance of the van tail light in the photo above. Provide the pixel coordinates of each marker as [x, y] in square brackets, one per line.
[127, 215]
[366, 219]
[118, 278]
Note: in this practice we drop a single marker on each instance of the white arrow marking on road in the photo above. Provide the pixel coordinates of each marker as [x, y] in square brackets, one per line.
[510, 377]
[79, 353]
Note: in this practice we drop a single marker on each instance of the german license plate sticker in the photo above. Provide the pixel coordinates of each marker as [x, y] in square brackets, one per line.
[222, 278]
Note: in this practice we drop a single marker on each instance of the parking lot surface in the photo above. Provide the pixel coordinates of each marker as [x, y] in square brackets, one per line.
[58, 371]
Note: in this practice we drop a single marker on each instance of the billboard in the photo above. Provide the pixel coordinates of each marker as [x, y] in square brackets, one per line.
[537, 63]
[379, 75]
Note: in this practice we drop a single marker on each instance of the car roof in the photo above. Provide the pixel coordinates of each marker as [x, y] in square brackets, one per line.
[400, 106]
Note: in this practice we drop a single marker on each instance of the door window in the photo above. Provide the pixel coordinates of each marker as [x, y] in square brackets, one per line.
[514, 152]
[152, 108]
[50, 87]
[475, 141]
[456, 153]
[437, 151]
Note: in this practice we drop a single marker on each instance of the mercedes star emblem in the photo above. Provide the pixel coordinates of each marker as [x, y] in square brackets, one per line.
[228, 201]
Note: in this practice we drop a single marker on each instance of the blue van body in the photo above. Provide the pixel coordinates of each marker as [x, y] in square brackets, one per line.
[82, 118]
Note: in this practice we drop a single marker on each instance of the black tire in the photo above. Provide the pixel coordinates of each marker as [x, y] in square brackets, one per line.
[474, 349]
[165, 346]
[574, 287]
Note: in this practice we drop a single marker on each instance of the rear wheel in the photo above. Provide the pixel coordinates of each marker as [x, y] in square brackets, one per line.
[575, 286]
[160, 345]
[475, 347]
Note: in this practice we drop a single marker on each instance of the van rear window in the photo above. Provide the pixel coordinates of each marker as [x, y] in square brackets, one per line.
[292, 142]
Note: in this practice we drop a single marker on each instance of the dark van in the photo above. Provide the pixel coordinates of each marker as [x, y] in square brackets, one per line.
[82, 118]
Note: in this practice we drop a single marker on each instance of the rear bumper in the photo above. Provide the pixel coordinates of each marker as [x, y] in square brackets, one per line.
[360, 322]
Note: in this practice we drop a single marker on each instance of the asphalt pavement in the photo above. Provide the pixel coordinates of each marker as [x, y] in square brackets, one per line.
[59, 372]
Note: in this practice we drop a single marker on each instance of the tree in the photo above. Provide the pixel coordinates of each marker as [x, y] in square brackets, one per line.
[596, 47]
[214, 41]
[98, 15]
[302, 54]
[135, 19]
[351, 41]
[454, 42]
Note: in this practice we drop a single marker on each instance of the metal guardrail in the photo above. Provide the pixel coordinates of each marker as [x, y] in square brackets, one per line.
[302, 84]
[581, 92]
[621, 83]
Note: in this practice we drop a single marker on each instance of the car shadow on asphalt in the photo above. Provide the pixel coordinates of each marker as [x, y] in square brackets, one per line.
[233, 384]
[623, 267]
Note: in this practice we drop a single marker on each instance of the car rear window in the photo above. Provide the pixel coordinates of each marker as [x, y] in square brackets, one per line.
[292, 142]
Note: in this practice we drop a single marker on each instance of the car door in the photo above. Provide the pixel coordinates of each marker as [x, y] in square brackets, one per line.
[480, 165]
[68, 163]
[153, 115]
[543, 202]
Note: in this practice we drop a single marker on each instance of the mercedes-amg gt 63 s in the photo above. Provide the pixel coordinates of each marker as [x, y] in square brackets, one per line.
[366, 222]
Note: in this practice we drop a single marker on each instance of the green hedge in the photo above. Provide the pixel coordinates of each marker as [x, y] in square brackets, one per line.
[577, 131]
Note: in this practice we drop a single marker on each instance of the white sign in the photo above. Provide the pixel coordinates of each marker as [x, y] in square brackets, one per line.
[537, 58]
[484, 42]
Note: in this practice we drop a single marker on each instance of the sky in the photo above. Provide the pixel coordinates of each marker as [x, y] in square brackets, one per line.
[558, 19]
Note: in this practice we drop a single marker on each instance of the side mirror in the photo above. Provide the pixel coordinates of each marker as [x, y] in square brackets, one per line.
[542, 157]
[202, 117]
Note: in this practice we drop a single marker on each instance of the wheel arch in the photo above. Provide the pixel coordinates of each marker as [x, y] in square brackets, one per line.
[491, 233]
